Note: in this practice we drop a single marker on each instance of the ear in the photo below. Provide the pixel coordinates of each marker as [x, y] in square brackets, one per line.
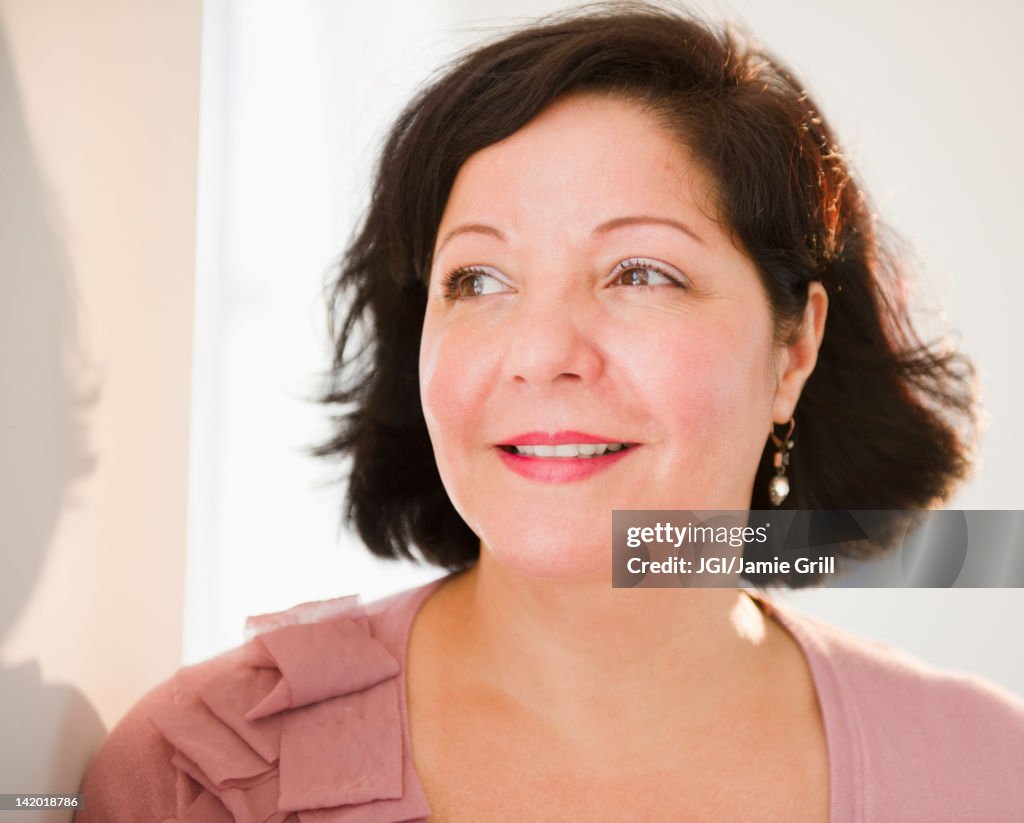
[797, 359]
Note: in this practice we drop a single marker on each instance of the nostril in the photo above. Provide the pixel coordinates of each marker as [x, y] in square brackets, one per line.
[572, 376]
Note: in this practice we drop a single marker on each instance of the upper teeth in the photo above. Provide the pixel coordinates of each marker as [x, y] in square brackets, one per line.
[570, 449]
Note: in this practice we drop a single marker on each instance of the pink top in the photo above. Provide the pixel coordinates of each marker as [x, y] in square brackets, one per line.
[306, 723]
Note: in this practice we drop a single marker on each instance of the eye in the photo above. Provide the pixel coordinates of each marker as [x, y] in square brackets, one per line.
[471, 281]
[639, 271]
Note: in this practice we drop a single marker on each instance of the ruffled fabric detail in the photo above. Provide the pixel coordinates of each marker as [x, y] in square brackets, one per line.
[302, 723]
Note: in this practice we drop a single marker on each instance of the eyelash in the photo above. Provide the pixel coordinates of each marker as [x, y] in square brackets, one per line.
[453, 278]
[676, 278]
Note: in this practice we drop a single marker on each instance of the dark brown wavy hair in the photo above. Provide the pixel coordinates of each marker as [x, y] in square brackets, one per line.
[884, 422]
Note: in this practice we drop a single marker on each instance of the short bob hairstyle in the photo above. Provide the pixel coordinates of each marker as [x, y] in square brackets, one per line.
[884, 422]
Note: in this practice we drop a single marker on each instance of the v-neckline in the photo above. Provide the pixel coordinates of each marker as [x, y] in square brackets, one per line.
[838, 717]
[845, 769]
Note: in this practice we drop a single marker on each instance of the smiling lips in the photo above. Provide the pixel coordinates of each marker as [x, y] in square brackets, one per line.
[561, 457]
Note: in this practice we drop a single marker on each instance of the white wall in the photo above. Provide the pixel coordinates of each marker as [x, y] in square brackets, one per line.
[98, 124]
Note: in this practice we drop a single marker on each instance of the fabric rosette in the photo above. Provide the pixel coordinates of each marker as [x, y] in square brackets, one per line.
[302, 723]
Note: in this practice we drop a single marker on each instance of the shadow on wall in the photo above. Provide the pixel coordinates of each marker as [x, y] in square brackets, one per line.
[49, 730]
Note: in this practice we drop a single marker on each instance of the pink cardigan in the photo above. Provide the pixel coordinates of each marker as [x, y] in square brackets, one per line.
[306, 723]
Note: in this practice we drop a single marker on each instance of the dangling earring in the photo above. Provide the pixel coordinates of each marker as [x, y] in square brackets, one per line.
[778, 489]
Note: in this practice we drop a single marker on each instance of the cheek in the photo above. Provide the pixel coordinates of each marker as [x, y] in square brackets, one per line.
[456, 372]
[712, 383]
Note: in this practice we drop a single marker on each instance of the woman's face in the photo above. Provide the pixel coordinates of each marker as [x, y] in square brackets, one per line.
[582, 295]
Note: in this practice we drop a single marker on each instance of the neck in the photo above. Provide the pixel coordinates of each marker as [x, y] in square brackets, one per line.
[569, 651]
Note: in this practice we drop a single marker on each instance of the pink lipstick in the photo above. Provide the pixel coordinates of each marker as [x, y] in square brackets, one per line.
[563, 456]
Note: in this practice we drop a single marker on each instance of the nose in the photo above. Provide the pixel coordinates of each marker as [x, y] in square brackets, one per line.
[553, 340]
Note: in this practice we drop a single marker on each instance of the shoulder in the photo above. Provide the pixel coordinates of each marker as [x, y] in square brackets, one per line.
[308, 714]
[919, 736]
[131, 777]
[892, 686]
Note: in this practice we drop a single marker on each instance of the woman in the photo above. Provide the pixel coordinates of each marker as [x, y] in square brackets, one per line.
[613, 261]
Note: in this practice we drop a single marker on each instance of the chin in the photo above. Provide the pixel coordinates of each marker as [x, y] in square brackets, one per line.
[559, 553]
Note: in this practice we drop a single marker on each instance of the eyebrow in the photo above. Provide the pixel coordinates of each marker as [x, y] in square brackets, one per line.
[471, 228]
[649, 220]
[604, 228]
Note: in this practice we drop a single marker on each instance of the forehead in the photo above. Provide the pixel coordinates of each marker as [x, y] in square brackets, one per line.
[585, 159]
